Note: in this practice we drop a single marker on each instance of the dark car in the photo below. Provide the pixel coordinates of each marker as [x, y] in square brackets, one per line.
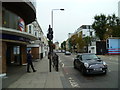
[67, 53]
[89, 63]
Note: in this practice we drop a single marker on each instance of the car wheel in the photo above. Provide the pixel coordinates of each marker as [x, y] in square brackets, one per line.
[105, 72]
[83, 70]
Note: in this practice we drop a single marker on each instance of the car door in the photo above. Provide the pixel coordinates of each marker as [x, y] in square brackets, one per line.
[77, 60]
[80, 62]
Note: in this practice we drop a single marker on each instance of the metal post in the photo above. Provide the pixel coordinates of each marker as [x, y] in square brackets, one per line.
[52, 19]
[50, 56]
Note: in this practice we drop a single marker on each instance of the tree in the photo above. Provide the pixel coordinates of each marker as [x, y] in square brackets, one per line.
[99, 25]
[106, 26]
[87, 42]
[114, 25]
[80, 42]
[73, 41]
[63, 45]
[77, 42]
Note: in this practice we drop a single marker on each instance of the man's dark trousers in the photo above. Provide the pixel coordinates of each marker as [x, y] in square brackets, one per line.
[28, 66]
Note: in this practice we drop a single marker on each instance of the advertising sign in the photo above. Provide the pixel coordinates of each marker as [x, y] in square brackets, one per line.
[21, 25]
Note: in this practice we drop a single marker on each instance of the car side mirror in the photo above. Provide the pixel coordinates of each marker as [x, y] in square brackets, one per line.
[99, 58]
[80, 59]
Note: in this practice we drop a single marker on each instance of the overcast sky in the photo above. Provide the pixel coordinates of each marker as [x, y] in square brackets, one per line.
[76, 13]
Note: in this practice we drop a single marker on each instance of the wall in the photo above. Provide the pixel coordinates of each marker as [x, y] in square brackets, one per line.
[3, 54]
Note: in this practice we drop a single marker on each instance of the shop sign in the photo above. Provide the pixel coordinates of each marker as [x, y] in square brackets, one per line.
[21, 25]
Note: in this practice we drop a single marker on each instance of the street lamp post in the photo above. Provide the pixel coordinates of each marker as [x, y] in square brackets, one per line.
[52, 15]
[50, 37]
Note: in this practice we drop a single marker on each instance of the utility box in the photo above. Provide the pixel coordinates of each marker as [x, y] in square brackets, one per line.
[113, 45]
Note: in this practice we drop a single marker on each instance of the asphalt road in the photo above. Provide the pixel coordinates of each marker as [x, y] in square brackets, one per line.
[74, 79]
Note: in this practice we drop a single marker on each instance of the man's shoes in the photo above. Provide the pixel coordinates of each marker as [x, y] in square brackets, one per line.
[34, 70]
[28, 71]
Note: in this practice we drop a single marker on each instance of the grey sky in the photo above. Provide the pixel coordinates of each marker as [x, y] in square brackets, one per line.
[76, 13]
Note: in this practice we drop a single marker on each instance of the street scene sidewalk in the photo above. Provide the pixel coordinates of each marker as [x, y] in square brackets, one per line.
[40, 79]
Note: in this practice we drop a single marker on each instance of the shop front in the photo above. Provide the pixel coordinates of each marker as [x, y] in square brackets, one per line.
[14, 40]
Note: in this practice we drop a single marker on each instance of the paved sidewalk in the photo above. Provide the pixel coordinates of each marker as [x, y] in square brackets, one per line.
[40, 79]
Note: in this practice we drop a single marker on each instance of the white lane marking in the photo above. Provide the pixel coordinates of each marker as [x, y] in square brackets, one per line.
[73, 83]
[66, 73]
[63, 65]
[109, 70]
[60, 61]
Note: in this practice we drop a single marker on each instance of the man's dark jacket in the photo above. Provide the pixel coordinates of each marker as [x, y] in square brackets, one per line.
[29, 58]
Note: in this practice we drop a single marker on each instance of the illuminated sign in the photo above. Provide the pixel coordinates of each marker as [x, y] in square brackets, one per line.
[21, 25]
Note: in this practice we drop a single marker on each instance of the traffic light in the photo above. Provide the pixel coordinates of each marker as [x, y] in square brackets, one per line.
[50, 33]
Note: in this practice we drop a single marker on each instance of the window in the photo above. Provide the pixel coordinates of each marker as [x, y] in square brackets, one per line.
[90, 33]
[35, 33]
[29, 29]
[9, 19]
[16, 50]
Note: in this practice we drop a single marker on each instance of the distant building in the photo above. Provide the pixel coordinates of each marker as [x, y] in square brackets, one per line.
[119, 9]
[56, 45]
[86, 30]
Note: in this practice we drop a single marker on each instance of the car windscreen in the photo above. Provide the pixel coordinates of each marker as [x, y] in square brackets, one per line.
[89, 57]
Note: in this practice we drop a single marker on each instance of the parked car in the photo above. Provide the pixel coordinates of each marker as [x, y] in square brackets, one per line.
[59, 51]
[89, 63]
[67, 53]
[63, 51]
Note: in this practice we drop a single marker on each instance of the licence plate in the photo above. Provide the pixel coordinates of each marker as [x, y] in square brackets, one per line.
[98, 69]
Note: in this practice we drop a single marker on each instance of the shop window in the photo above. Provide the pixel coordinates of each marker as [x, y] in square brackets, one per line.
[28, 49]
[16, 50]
[9, 19]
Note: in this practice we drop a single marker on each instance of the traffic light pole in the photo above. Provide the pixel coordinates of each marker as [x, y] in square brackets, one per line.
[50, 59]
[50, 37]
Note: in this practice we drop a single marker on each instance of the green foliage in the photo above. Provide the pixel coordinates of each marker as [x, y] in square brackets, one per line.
[106, 26]
[80, 42]
[63, 45]
[99, 25]
[77, 41]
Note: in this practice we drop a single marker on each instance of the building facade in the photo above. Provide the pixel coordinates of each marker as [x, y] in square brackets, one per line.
[38, 47]
[56, 45]
[14, 35]
[86, 30]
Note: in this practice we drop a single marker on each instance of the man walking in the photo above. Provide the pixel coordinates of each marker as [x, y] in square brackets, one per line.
[29, 62]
